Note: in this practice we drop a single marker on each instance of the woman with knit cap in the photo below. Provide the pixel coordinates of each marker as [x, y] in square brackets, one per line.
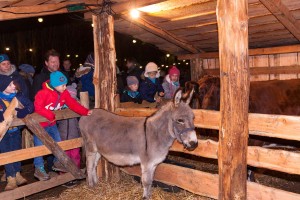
[151, 85]
[171, 82]
[12, 139]
[53, 96]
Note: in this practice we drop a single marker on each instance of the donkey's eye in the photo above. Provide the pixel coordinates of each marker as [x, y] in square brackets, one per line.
[180, 121]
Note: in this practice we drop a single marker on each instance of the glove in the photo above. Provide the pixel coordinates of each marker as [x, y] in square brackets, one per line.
[21, 113]
[1, 117]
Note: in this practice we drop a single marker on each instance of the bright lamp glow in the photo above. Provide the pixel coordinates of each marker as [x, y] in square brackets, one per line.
[7, 48]
[40, 19]
[30, 50]
[134, 14]
[168, 55]
[133, 41]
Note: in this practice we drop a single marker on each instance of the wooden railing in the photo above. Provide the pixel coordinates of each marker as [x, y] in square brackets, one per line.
[286, 127]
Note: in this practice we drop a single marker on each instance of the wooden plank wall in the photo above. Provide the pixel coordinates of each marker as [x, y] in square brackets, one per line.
[283, 60]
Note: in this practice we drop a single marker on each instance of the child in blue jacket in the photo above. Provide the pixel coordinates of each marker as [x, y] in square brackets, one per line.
[151, 85]
[12, 139]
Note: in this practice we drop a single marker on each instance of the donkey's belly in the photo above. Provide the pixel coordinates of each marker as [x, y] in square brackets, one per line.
[123, 159]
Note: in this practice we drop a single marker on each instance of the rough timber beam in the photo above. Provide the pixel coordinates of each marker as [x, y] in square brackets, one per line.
[125, 6]
[9, 13]
[162, 33]
[282, 13]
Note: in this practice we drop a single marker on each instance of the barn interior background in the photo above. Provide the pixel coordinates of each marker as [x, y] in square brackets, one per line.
[191, 30]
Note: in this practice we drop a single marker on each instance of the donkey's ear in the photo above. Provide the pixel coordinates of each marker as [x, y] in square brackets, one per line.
[177, 97]
[187, 97]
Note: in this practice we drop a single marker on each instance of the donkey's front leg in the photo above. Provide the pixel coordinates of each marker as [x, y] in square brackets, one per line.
[147, 178]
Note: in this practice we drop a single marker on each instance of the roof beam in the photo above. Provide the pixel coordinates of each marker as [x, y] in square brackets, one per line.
[38, 10]
[252, 52]
[283, 14]
[148, 26]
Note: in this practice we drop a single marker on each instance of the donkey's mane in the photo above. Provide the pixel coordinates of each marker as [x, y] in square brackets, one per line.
[157, 115]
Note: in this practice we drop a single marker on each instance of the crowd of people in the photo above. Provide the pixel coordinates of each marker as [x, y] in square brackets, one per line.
[55, 88]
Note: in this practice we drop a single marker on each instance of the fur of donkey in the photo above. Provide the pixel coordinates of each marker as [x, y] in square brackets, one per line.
[128, 141]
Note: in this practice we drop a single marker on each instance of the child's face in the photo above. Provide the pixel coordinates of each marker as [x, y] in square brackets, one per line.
[152, 74]
[61, 88]
[11, 88]
[134, 87]
[174, 78]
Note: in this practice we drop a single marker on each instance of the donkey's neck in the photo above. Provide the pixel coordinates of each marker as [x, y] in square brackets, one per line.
[158, 124]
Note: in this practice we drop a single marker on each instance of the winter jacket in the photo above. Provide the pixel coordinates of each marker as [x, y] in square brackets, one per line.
[148, 89]
[87, 83]
[48, 99]
[68, 129]
[169, 87]
[127, 97]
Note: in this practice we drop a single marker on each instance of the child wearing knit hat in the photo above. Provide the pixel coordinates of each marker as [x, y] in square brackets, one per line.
[151, 85]
[12, 139]
[53, 96]
[171, 82]
[131, 93]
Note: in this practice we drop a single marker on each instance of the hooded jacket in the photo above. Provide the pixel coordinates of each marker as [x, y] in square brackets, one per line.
[169, 87]
[48, 100]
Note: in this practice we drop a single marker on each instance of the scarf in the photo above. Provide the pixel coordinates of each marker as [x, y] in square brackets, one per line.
[7, 97]
[133, 94]
[176, 83]
[152, 80]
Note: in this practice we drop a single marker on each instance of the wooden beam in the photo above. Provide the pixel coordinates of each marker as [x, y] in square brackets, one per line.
[276, 126]
[25, 154]
[10, 13]
[125, 6]
[8, 115]
[47, 140]
[148, 26]
[252, 52]
[206, 184]
[232, 17]
[283, 14]
[26, 190]
[293, 69]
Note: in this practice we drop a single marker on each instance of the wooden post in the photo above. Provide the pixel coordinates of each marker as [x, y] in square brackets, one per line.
[57, 151]
[105, 77]
[84, 99]
[8, 115]
[232, 17]
[196, 69]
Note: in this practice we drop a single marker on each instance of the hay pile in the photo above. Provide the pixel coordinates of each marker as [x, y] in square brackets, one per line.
[125, 189]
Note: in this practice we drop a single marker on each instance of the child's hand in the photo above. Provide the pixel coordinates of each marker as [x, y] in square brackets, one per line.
[89, 112]
[161, 94]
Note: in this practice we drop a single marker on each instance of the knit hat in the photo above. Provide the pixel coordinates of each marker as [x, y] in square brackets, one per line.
[72, 90]
[151, 67]
[27, 68]
[3, 57]
[132, 80]
[4, 82]
[57, 78]
[174, 70]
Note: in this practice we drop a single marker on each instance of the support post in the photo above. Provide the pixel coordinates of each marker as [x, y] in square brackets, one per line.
[196, 69]
[105, 77]
[232, 17]
[57, 151]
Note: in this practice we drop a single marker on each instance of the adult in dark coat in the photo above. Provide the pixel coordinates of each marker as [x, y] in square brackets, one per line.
[51, 65]
[7, 69]
[133, 69]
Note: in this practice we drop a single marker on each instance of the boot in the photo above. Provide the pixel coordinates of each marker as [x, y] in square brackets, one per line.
[11, 183]
[20, 179]
[41, 174]
[3, 178]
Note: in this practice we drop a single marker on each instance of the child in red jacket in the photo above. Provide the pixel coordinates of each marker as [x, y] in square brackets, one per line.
[53, 96]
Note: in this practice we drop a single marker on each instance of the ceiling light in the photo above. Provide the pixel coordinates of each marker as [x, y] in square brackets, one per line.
[134, 13]
[7, 48]
[40, 19]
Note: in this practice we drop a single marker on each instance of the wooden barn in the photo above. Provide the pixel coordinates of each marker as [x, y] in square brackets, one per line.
[241, 41]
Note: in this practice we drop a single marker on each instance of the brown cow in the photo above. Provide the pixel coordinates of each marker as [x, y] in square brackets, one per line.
[133, 140]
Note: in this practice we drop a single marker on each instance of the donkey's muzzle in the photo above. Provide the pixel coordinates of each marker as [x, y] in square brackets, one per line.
[192, 145]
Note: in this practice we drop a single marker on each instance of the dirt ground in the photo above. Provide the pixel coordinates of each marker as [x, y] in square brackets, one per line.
[128, 188]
